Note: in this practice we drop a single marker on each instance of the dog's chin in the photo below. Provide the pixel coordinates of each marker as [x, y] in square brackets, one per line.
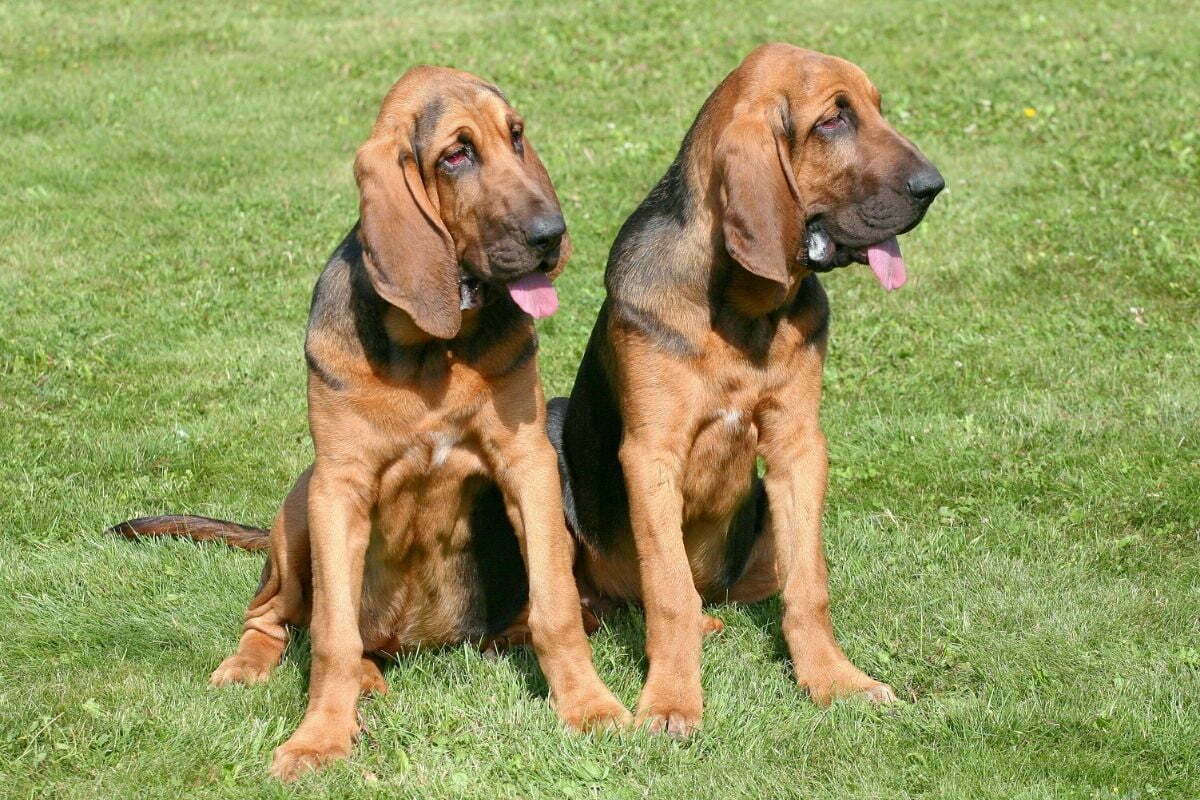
[476, 289]
[824, 252]
[830, 246]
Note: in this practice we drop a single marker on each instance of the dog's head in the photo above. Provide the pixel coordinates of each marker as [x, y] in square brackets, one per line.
[811, 174]
[457, 208]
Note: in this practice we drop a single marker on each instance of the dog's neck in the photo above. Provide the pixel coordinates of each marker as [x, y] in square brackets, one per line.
[349, 317]
[673, 245]
[484, 333]
[669, 274]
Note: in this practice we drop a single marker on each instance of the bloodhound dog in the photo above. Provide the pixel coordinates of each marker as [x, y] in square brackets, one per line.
[434, 490]
[708, 353]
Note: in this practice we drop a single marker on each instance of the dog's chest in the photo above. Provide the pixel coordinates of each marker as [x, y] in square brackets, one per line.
[717, 471]
[729, 408]
[421, 577]
[422, 485]
[724, 443]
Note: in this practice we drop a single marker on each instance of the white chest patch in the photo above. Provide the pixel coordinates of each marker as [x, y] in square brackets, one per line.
[442, 443]
[730, 416]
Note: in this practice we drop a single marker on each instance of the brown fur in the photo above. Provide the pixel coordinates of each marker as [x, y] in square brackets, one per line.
[711, 347]
[416, 407]
[197, 529]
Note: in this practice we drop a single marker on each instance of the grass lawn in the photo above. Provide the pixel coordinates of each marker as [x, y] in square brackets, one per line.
[1014, 511]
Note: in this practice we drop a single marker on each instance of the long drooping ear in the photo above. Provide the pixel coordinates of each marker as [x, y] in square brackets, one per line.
[409, 255]
[760, 214]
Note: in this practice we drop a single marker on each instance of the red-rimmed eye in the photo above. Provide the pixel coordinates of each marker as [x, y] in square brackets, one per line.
[836, 122]
[456, 157]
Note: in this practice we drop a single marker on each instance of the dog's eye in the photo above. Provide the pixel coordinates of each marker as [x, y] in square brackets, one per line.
[456, 157]
[518, 138]
[834, 123]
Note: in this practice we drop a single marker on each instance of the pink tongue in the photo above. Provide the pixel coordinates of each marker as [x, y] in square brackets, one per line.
[535, 295]
[887, 263]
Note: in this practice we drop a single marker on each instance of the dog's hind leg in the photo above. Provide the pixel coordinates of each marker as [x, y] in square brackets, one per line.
[518, 633]
[756, 575]
[281, 597]
[373, 681]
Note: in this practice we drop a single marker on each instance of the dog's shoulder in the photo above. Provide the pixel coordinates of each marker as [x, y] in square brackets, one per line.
[332, 294]
[346, 315]
[652, 285]
[635, 260]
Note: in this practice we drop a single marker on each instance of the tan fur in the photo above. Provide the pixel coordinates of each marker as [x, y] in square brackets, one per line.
[694, 423]
[368, 548]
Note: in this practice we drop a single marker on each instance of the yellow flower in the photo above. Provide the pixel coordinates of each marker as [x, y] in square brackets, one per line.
[1030, 112]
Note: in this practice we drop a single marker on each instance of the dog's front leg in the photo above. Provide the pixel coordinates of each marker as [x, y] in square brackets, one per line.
[672, 700]
[339, 506]
[530, 484]
[793, 447]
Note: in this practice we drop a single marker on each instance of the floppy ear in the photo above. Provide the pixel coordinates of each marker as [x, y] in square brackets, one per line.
[760, 215]
[409, 255]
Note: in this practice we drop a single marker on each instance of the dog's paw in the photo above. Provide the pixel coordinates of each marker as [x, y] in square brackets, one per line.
[240, 669]
[298, 756]
[679, 723]
[845, 681]
[373, 681]
[880, 693]
[598, 711]
[670, 704]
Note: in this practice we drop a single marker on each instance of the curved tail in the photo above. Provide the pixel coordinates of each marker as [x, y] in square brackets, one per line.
[198, 529]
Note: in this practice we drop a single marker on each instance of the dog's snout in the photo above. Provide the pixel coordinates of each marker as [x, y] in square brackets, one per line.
[545, 231]
[925, 183]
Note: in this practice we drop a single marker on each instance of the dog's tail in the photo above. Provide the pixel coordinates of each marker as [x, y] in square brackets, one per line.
[198, 529]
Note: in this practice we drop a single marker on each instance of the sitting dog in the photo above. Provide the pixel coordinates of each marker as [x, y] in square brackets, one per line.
[434, 486]
[708, 353]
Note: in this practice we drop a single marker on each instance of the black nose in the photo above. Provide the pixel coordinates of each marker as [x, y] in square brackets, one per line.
[925, 183]
[543, 233]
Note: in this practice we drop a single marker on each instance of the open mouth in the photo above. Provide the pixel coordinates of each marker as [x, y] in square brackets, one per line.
[533, 292]
[883, 257]
[470, 291]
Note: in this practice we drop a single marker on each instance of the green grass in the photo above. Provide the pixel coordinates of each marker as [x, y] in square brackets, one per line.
[1014, 513]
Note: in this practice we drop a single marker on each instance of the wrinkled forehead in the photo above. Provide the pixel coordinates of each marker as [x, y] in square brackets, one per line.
[809, 77]
[441, 103]
[834, 76]
[478, 107]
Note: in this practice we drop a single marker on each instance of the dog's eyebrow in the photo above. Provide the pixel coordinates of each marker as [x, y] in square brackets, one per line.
[494, 90]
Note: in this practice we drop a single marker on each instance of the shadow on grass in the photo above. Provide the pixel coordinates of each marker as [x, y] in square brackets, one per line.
[521, 658]
[624, 625]
[627, 626]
